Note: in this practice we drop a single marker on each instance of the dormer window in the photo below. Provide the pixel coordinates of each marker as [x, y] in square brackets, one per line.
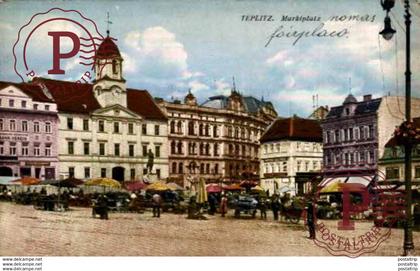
[347, 111]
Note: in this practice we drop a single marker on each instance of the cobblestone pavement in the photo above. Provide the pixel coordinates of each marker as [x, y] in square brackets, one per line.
[26, 231]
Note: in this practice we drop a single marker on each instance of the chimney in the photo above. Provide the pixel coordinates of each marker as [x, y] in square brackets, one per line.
[367, 98]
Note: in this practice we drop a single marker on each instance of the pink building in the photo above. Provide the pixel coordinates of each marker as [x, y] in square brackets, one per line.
[28, 131]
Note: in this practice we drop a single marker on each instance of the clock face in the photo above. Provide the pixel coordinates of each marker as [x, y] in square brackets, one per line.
[116, 91]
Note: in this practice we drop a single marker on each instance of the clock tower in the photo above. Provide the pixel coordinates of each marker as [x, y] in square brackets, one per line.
[109, 85]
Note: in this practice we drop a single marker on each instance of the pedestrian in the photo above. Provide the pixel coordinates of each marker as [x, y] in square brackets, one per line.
[223, 205]
[263, 207]
[310, 220]
[212, 204]
[275, 206]
[156, 202]
[103, 207]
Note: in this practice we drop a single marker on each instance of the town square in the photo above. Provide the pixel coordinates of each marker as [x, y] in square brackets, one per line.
[225, 128]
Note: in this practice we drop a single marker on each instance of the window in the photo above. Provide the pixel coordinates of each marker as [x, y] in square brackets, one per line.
[25, 148]
[362, 132]
[337, 136]
[71, 172]
[144, 129]
[103, 172]
[144, 150]
[86, 148]
[216, 149]
[37, 149]
[23, 103]
[117, 149]
[1, 124]
[156, 129]
[47, 107]
[172, 127]
[131, 128]
[1, 147]
[12, 148]
[11, 103]
[48, 150]
[101, 148]
[131, 150]
[116, 127]
[70, 147]
[371, 131]
[48, 127]
[174, 167]
[36, 127]
[132, 173]
[85, 125]
[216, 169]
[70, 123]
[157, 151]
[158, 173]
[87, 172]
[417, 172]
[12, 125]
[35, 106]
[392, 173]
[144, 171]
[181, 168]
[101, 126]
[114, 67]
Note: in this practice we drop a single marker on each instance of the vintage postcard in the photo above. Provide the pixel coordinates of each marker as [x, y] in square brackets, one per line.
[210, 128]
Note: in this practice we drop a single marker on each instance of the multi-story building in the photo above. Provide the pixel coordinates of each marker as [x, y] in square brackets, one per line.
[355, 133]
[28, 132]
[291, 155]
[391, 164]
[218, 140]
[106, 129]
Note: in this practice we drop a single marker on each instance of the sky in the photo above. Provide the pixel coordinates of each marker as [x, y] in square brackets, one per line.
[170, 47]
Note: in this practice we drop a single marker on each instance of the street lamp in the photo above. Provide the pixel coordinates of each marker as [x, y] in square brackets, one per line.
[387, 34]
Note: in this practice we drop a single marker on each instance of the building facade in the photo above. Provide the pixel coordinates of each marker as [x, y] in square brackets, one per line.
[356, 132]
[391, 164]
[218, 140]
[291, 155]
[28, 132]
[106, 129]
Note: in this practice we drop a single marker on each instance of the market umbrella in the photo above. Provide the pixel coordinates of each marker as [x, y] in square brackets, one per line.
[69, 182]
[332, 188]
[232, 187]
[213, 188]
[174, 187]
[27, 181]
[104, 182]
[134, 185]
[248, 184]
[158, 186]
[201, 191]
[257, 188]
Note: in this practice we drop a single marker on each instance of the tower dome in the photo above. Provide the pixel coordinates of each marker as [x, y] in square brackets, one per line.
[108, 49]
[350, 99]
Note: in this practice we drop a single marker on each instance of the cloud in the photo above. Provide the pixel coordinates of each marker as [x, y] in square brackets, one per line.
[197, 86]
[6, 26]
[222, 87]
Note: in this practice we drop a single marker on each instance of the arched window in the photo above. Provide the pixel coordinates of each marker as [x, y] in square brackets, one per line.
[173, 147]
[114, 66]
[172, 127]
[200, 129]
[202, 168]
[174, 167]
[207, 130]
[179, 127]
[179, 147]
[191, 128]
[181, 168]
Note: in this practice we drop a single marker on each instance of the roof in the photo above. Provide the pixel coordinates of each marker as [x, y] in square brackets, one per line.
[393, 141]
[108, 49]
[251, 104]
[33, 91]
[294, 128]
[142, 103]
[363, 107]
[72, 97]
